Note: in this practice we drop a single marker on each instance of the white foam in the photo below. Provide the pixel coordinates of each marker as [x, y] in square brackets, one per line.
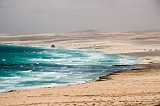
[3, 60]
[15, 77]
[28, 71]
[80, 72]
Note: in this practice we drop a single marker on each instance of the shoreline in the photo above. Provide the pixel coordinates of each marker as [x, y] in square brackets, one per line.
[99, 78]
[78, 94]
[135, 87]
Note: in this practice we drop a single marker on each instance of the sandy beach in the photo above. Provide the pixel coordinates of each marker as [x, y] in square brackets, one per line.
[139, 87]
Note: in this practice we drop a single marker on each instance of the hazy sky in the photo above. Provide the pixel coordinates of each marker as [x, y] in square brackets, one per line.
[46, 16]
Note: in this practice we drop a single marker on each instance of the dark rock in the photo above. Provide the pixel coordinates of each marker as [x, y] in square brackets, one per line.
[53, 46]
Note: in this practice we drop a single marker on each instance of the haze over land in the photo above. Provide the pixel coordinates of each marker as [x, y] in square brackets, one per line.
[122, 27]
[47, 16]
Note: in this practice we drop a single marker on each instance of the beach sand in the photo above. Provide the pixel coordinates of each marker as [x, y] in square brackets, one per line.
[139, 87]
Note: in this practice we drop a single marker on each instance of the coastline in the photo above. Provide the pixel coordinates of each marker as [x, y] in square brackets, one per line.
[135, 87]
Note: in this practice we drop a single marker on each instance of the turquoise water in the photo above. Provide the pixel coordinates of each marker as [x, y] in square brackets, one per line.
[23, 67]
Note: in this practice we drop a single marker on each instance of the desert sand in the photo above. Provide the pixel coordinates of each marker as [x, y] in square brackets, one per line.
[139, 87]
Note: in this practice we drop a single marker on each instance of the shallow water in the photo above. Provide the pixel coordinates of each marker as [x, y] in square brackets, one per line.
[23, 67]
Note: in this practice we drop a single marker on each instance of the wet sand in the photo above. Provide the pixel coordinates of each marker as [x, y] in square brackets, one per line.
[139, 87]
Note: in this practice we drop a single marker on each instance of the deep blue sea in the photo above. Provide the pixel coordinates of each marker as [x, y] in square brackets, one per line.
[23, 67]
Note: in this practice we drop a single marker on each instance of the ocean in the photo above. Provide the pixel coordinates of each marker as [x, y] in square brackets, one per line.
[24, 67]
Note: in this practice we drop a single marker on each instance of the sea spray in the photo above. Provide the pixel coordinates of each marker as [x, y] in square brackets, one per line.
[23, 67]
